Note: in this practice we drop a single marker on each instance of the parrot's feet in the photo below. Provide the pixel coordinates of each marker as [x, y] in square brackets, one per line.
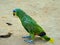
[29, 41]
[26, 37]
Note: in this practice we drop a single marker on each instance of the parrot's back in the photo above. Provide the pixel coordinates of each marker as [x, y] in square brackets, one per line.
[30, 25]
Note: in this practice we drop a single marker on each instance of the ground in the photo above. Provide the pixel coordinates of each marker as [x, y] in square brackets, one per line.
[45, 12]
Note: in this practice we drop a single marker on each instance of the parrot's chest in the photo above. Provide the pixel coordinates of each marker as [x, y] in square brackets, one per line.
[26, 20]
[29, 25]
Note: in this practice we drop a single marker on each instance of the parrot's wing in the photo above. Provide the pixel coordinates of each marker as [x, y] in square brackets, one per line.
[30, 27]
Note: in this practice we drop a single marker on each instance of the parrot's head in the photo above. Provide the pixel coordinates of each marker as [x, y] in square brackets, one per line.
[18, 12]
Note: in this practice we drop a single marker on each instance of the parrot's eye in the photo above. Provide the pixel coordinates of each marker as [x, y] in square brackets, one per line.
[14, 12]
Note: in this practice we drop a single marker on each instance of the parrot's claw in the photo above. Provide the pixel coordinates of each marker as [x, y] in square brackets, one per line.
[29, 41]
[26, 37]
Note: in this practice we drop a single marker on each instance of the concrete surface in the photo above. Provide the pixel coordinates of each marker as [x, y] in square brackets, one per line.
[45, 12]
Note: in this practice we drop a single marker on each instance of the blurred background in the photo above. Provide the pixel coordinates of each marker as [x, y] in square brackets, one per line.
[45, 12]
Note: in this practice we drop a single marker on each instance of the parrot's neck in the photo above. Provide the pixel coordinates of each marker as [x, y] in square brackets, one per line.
[21, 16]
[20, 13]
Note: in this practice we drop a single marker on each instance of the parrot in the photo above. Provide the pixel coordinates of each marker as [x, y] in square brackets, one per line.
[31, 26]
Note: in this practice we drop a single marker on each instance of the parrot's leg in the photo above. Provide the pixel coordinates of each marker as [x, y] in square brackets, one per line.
[29, 41]
[26, 37]
[32, 38]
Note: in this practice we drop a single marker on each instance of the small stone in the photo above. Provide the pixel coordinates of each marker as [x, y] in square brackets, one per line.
[8, 23]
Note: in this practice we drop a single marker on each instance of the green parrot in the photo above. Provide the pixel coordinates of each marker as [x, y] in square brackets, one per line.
[30, 26]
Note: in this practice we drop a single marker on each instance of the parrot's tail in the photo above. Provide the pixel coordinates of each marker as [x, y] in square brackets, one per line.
[46, 37]
[51, 40]
[43, 35]
[6, 36]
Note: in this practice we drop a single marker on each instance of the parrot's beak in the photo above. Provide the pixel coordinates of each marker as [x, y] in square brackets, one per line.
[14, 13]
